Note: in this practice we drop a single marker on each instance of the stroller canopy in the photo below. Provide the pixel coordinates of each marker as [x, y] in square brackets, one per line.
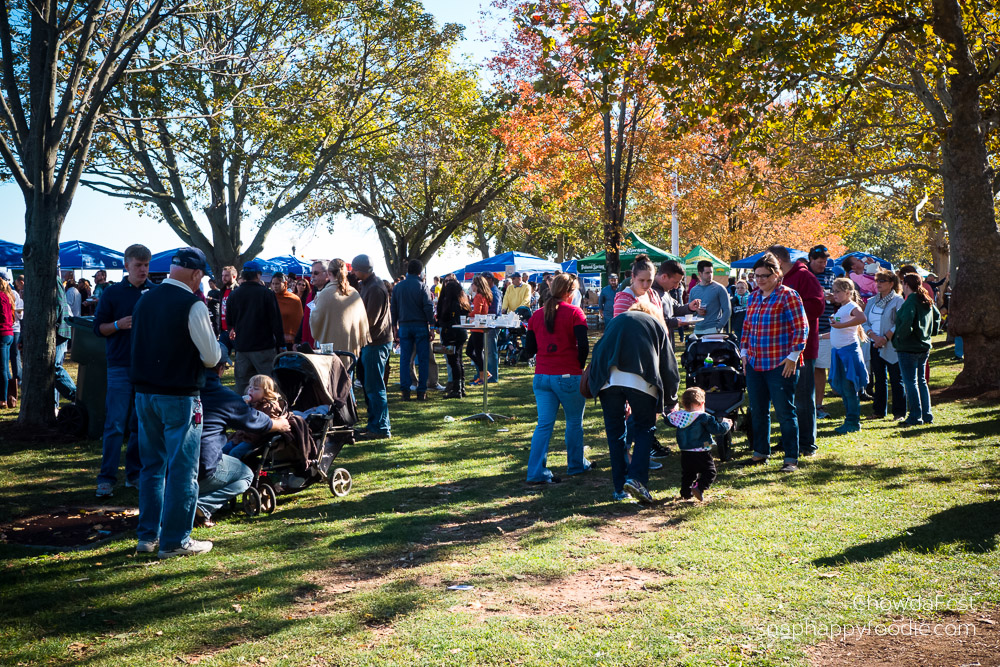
[311, 380]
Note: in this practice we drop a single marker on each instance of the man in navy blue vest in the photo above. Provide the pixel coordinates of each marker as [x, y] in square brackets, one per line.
[172, 344]
[113, 321]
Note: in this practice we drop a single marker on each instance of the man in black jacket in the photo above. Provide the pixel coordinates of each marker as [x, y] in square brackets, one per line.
[412, 309]
[255, 327]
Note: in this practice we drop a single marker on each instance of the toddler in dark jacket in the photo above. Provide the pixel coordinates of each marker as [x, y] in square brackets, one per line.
[695, 429]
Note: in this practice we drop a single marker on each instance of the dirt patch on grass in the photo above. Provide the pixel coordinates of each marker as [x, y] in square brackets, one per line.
[601, 589]
[965, 393]
[70, 527]
[968, 639]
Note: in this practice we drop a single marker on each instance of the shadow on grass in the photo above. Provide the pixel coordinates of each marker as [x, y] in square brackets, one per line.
[972, 527]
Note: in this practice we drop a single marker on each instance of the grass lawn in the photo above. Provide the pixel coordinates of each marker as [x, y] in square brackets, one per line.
[561, 574]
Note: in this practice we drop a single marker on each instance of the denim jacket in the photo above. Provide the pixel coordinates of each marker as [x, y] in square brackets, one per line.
[695, 430]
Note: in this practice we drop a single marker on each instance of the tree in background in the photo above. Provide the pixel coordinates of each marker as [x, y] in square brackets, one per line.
[737, 59]
[604, 118]
[243, 114]
[431, 177]
[60, 63]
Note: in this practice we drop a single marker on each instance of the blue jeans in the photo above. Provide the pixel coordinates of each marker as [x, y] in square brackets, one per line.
[551, 391]
[918, 397]
[373, 361]
[120, 417]
[492, 353]
[15, 356]
[414, 336]
[849, 393]
[231, 478]
[767, 388]
[805, 406]
[64, 383]
[5, 342]
[169, 446]
[644, 410]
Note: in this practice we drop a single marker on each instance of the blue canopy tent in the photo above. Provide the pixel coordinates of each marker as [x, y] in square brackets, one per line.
[291, 264]
[522, 262]
[885, 264]
[86, 256]
[748, 262]
[11, 254]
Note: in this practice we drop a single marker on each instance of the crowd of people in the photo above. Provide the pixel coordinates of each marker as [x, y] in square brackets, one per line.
[186, 436]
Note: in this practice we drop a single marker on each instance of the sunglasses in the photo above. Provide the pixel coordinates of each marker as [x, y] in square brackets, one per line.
[883, 280]
[819, 248]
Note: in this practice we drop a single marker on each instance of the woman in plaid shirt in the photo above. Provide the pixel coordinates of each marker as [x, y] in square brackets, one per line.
[774, 336]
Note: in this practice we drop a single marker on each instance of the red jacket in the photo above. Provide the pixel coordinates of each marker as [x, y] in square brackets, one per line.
[803, 281]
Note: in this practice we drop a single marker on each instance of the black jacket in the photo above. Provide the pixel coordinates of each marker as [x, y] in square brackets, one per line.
[635, 342]
[252, 310]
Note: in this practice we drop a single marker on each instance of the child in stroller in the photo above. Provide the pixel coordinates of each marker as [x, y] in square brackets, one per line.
[262, 394]
[713, 363]
[318, 389]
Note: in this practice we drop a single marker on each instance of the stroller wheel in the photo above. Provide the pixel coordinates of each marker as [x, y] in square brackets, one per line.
[726, 446]
[340, 482]
[268, 498]
[251, 501]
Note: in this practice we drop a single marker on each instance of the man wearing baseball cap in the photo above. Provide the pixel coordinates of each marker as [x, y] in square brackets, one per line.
[818, 256]
[255, 324]
[375, 355]
[172, 344]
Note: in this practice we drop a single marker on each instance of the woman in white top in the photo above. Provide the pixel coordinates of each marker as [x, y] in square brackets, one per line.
[880, 324]
[847, 365]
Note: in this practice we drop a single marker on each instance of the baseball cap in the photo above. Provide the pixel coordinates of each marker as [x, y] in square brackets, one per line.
[190, 258]
[819, 251]
[253, 266]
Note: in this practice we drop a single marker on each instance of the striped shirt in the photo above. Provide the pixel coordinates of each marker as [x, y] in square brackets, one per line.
[625, 299]
[775, 328]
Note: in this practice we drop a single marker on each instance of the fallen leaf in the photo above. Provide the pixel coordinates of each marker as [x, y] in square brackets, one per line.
[237, 608]
[986, 620]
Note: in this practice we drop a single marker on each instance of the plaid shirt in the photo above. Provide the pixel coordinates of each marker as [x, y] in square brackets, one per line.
[774, 328]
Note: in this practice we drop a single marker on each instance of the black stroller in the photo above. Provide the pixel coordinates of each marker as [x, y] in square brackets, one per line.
[511, 342]
[715, 365]
[320, 389]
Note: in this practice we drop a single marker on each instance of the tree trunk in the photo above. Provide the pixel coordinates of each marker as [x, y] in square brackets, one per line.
[41, 313]
[937, 239]
[968, 206]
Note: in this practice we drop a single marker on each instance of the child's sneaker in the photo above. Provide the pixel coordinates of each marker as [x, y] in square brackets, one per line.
[635, 489]
[696, 492]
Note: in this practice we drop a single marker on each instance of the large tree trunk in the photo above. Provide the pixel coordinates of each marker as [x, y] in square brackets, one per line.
[937, 240]
[41, 313]
[968, 206]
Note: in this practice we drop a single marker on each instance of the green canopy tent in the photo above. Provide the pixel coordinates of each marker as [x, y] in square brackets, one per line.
[699, 253]
[632, 245]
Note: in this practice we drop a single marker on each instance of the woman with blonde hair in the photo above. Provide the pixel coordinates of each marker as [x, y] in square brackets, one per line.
[337, 314]
[557, 338]
[847, 365]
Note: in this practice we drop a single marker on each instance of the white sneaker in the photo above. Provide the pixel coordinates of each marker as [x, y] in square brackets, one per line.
[440, 387]
[189, 548]
[104, 490]
[147, 546]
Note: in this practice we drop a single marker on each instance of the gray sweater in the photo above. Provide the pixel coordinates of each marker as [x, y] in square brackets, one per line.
[715, 302]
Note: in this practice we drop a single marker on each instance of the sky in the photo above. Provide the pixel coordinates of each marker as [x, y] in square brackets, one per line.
[107, 221]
